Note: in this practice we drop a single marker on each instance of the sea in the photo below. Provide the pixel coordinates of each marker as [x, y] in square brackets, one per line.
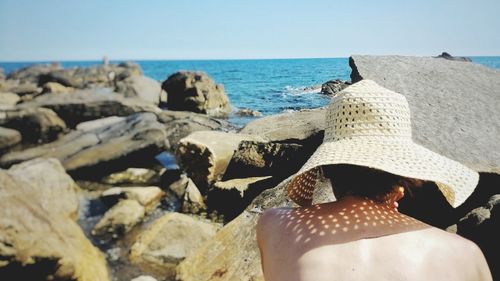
[270, 86]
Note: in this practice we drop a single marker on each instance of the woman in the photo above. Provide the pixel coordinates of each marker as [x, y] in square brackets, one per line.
[370, 158]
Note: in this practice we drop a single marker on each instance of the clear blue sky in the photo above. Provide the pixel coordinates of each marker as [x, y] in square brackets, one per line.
[217, 29]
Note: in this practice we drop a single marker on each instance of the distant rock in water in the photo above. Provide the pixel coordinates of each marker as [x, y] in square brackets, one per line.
[197, 92]
[333, 86]
[247, 112]
[447, 56]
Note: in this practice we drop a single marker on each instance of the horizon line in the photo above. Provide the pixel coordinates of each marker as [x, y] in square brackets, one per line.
[206, 59]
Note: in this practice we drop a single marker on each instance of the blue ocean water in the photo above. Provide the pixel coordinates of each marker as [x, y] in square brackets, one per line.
[269, 86]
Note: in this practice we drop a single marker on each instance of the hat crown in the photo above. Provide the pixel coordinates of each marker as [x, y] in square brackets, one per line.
[366, 109]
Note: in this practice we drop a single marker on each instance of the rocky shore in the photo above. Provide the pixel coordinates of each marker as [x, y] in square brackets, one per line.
[110, 175]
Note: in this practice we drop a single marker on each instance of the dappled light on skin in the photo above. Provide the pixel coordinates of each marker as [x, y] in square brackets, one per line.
[325, 224]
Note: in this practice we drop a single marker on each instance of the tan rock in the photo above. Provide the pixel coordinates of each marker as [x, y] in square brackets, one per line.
[8, 138]
[120, 219]
[168, 241]
[54, 87]
[148, 196]
[39, 238]
[204, 155]
[193, 200]
[9, 99]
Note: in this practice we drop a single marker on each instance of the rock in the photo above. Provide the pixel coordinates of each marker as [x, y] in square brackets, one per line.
[197, 92]
[87, 105]
[448, 100]
[180, 124]
[100, 76]
[193, 200]
[2, 75]
[333, 86]
[231, 197]
[247, 112]
[36, 125]
[98, 123]
[447, 56]
[144, 278]
[482, 225]
[104, 150]
[39, 239]
[168, 241]
[133, 176]
[303, 127]
[120, 219]
[31, 73]
[8, 100]
[147, 196]
[142, 87]
[8, 138]
[178, 187]
[25, 90]
[54, 87]
[267, 159]
[204, 155]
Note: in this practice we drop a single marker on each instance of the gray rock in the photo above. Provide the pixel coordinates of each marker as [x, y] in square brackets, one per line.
[142, 87]
[196, 92]
[445, 55]
[103, 150]
[27, 89]
[36, 125]
[247, 112]
[333, 86]
[87, 105]
[180, 124]
[39, 238]
[304, 127]
[8, 138]
[169, 240]
[454, 105]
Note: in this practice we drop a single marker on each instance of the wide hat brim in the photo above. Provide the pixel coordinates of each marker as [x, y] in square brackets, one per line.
[401, 157]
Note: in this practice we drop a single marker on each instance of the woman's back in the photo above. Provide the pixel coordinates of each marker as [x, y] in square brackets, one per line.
[354, 239]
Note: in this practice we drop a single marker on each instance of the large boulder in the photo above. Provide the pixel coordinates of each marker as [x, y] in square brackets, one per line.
[204, 155]
[197, 92]
[8, 100]
[168, 241]
[454, 105]
[306, 127]
[81, 106]
[36, 125]
[39, 238]
[180, 124]
[142, 87]
[8, 138]
[103, 150]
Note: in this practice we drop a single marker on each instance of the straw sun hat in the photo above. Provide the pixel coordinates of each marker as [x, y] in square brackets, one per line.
[368, 125]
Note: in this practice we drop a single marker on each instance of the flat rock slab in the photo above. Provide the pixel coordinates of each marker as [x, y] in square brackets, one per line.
[39, 238]
[85, 105]
[8, 138]
[120, 219]
[302, 126]
[136, 139]
[455, 106]
[147, 196]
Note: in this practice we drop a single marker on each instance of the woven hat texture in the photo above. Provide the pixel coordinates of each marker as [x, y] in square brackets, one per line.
[368, 125]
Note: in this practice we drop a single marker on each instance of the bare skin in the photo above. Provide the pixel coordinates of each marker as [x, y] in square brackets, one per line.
[356, 238]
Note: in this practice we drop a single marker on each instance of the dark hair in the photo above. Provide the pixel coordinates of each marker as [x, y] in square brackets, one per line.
[365, 181]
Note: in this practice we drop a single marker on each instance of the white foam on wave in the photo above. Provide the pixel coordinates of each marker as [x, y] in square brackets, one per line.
[303, 89]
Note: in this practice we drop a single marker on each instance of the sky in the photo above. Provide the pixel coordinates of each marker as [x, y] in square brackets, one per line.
[35, 30]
